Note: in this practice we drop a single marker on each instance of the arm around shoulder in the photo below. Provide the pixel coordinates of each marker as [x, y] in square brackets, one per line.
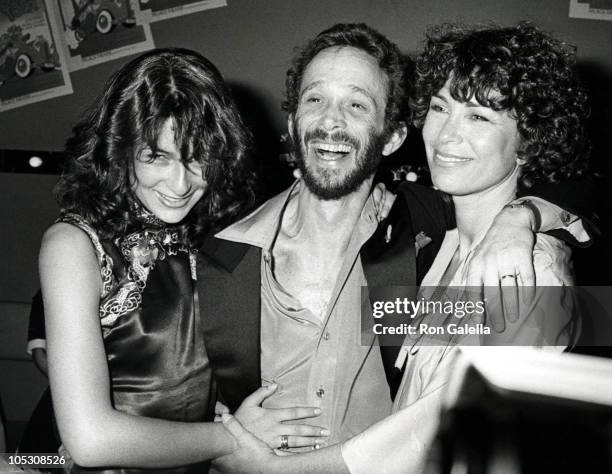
[568, 209]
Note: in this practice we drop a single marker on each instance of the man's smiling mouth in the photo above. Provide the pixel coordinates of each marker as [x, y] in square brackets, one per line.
[331, 151]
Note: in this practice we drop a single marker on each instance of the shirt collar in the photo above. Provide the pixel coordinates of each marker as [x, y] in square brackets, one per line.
[260, 227]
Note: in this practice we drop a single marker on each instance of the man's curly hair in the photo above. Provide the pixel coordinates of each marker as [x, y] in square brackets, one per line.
[137, 101]
[362, 37]
[520, 69]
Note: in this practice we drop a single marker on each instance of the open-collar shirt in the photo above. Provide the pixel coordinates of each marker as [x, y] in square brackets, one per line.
[317, 360]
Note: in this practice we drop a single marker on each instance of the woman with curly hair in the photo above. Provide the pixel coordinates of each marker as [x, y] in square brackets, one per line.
[499, 108]
[157, 162]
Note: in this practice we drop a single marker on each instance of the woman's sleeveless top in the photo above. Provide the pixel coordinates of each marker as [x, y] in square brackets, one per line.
[148, 316]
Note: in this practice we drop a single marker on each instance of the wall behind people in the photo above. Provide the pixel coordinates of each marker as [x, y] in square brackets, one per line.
[251, 41]
[26, 210]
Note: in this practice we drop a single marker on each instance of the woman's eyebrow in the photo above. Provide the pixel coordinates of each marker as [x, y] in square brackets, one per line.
[475, 105]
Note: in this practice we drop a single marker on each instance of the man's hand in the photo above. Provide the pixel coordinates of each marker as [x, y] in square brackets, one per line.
[250, 456]
[273, 425]
[383, 201]
[503, 264]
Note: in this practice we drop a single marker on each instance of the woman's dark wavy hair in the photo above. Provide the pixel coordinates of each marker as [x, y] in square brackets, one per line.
[520, 69]
[360, 36]
[162, 84]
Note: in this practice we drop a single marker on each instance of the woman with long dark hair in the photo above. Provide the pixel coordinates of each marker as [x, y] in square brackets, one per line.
[156, 164]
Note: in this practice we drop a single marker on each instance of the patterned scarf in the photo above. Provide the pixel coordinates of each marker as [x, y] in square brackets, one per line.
[151, 240]
[154, 240]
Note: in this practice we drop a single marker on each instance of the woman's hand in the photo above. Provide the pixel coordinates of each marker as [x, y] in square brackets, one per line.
[503, 265]
[251, 455]
[272, 425]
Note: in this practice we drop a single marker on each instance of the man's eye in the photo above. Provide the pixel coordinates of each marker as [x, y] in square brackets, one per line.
[313, 100]
[358, 106]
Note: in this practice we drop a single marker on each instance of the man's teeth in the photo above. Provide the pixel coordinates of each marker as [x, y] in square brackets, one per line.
[334, 148]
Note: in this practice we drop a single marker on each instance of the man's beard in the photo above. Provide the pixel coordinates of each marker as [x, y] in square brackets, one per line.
[326, 183]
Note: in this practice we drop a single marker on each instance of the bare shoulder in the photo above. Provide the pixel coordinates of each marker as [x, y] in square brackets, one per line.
[66, 243]
[64, 236]
[68, 264]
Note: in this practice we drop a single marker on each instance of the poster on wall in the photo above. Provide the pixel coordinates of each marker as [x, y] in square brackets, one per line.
[591, 9]
[96, 31]
[156, 10]
[33, 66]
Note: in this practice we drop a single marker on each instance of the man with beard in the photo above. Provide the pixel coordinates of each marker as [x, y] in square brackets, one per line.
[280, 291]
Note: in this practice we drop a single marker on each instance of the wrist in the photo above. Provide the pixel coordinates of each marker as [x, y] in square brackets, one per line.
[535, 219]
[229, 443]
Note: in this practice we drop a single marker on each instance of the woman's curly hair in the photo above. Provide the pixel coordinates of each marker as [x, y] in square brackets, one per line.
[162, 84]
[520, 69]
[362, 37]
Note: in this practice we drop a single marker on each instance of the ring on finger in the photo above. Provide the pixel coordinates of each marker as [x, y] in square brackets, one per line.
[284, 444]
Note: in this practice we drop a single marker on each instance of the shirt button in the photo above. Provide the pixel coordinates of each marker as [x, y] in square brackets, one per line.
[320, 392]
[326, 336]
